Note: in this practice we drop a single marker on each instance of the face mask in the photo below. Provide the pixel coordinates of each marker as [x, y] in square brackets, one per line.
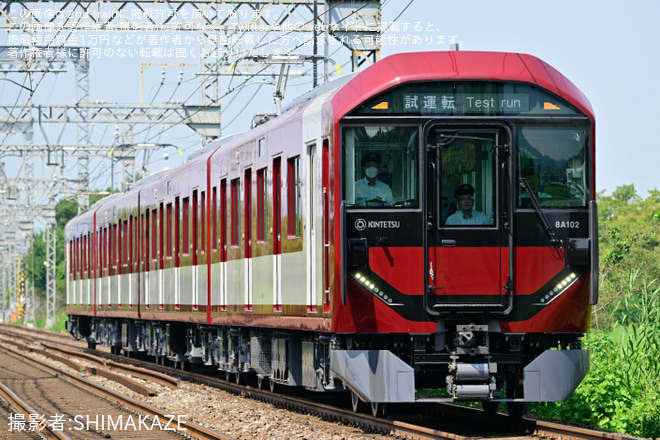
[371, 172]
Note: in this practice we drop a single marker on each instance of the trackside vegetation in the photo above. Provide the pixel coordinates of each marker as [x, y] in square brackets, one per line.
[621, 393]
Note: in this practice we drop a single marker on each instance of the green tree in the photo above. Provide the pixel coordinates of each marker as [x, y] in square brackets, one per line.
[35, 256]
[629, 240]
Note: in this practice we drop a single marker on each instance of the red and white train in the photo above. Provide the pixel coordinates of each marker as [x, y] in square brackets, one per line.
[317, 249]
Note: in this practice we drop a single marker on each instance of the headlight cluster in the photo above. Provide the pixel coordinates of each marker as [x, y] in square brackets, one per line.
[370, 285]
[558, 289]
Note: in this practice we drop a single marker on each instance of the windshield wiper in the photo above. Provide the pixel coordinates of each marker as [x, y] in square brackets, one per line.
[554, 241]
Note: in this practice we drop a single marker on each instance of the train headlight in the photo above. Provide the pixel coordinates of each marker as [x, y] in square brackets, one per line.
[559, 288]
[373, 287]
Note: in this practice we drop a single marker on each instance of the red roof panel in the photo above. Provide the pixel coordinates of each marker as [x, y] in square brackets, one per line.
[455, 65]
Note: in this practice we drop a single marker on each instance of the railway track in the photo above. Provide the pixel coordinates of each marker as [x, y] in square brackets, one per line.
[40, 398]
[440, 421]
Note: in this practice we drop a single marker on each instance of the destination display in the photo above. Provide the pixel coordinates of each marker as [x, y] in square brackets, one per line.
[466, 98]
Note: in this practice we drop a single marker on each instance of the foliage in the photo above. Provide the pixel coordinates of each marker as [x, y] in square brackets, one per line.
[35, 259]
[629, 229]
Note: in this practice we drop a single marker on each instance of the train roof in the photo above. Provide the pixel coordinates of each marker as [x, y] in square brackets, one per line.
[456, 65]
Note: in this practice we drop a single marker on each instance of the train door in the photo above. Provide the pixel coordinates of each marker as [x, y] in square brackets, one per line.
[467, 247]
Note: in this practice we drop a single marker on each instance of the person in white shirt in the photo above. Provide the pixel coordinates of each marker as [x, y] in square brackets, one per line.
[369, 191]
[466, 214]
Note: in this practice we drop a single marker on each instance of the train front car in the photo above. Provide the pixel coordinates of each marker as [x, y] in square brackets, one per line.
[468, 229]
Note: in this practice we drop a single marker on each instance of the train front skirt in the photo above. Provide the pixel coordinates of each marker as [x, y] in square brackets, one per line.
[380, 376]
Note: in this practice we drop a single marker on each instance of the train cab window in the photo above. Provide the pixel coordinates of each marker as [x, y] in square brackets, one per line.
[468, 177]
[381, 166]
[552, 162]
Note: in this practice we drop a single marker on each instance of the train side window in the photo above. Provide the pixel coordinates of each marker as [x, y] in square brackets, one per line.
[73, 251]
[248, 212]
[101, 249]
[214, 218]
[88, 265]
[117, 245]
[262, 205]
[277, 205]
[381, 166]
[168, 231]
[223, 220]
[154, 234]
[294, 197]
[113, 246]
[186, 226]
[147, 233]
[162, 232]
[71, 254]
[129, 244]
[81, 256]
[177, 231]
[195, 226]
[202, 223]
[125, 243]
[135, 244]
[235, 212]
[108, 248]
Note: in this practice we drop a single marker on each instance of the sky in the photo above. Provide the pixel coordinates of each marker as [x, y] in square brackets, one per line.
[607, 48]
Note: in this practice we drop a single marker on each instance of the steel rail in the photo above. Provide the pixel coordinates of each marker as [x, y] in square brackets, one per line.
[191, 429]
[26, 410]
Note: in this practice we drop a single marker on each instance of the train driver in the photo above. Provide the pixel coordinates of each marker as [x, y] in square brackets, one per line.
[466, 214]
[370, 191]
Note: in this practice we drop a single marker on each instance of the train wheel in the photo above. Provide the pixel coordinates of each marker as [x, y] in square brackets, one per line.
[260, 382]
[514, 389]
[516, 409]
[238, 378]
[272, 385]
[356, 403]
[489, 407]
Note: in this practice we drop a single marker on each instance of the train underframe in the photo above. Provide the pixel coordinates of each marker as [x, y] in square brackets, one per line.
[469, 361]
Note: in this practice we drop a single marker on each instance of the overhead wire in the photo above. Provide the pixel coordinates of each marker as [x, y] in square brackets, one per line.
[280, 37]
[167, 113]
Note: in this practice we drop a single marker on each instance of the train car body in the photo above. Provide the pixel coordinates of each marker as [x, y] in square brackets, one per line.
[428, 222]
